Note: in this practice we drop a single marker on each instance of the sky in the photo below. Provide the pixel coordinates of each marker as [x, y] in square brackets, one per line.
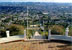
[61, 1]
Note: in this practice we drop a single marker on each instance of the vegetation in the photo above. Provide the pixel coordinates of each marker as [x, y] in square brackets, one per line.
[2, 33]
[30, 33]
[56, 18]
[16, 29]
[70, 31]
[57, 29]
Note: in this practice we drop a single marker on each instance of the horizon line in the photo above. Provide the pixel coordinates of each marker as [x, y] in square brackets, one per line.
[37, 2]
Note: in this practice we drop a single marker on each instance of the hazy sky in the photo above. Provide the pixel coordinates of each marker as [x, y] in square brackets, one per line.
[69, 1]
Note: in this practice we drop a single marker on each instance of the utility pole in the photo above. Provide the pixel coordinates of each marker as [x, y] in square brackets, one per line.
[27, 19]
[43, 27]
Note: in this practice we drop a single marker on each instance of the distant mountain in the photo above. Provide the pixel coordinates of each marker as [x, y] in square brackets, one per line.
[31, 3]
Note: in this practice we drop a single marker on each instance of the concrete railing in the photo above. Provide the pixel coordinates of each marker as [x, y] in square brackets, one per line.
[61, 37]
[23, 37]
[12, 38]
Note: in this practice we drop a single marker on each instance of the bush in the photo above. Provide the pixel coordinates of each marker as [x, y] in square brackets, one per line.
[16, 29]
[2, 33]
[57, 29]
[70, 31]
[30, 33]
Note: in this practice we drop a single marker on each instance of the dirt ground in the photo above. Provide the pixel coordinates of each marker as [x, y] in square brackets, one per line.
[35, 45]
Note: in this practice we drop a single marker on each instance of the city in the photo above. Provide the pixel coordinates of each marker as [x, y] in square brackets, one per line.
[48, 20]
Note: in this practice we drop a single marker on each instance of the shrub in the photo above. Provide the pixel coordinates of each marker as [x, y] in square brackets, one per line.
[57, 29]
[30, 33]
[2, 33]
[16, 29]
[70, 31]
